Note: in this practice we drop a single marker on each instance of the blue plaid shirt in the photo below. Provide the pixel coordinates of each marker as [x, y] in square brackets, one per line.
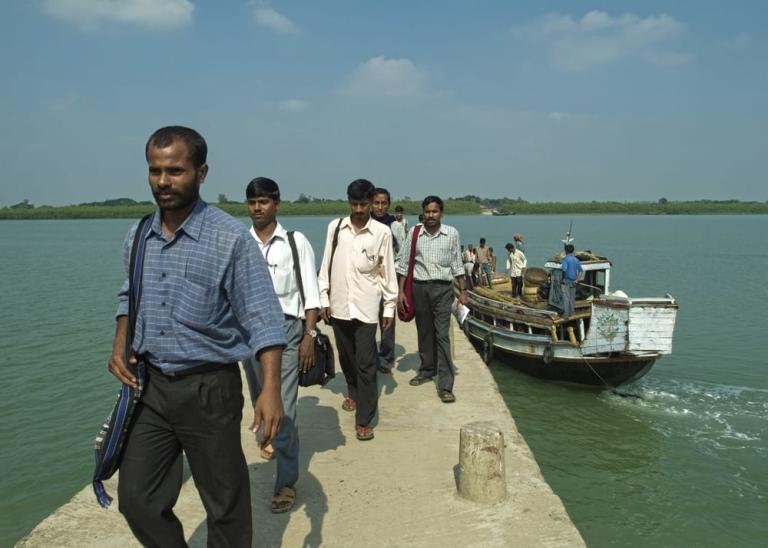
[206, 294]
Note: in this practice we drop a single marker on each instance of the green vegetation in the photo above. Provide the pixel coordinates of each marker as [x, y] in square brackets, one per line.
[127, 208]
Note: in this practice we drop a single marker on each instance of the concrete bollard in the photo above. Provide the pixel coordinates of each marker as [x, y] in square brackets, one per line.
[482, 473]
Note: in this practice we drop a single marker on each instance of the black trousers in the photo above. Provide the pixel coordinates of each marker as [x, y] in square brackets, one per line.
[386, 350]
[200, 415]
[433, 316]
[356, 344]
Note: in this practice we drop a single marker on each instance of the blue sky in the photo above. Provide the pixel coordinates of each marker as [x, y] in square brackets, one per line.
[544, 100]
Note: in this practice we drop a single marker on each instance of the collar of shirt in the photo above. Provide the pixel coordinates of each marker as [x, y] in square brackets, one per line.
[279, 232]
[347, 223]
[424, 233]
[191, 226]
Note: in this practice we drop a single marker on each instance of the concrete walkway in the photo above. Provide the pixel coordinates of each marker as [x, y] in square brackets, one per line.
[396, 490]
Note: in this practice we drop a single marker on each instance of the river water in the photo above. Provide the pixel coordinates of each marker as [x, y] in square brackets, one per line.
[681, 464]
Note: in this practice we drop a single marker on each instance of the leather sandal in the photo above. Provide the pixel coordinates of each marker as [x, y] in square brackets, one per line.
[363, 433]
[283, 500]
[419, 380]
[446, 396]
[349, 404]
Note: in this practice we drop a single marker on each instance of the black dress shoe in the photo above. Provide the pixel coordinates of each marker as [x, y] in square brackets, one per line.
[419, 380]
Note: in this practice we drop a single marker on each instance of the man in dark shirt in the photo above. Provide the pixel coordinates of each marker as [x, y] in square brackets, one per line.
[207, 302]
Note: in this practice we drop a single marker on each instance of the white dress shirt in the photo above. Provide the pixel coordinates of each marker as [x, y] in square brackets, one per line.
[516, 262]
[277, 254]
[363, 272]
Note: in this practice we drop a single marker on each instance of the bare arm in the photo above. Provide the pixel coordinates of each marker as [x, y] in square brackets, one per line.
[268, 409]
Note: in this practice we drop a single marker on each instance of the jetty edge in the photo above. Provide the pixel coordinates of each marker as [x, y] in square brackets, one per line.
[399, 489]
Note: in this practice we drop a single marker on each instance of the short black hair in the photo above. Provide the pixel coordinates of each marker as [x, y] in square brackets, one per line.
[482, 240]
[398, 209]
[360, 190]
[262, 187]
[379, 190]
[430, 200]
[166, 136]
[568, 248]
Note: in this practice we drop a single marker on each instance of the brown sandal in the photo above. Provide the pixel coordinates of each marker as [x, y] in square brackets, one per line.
[268, 452]
[363, 433]
[283, 500]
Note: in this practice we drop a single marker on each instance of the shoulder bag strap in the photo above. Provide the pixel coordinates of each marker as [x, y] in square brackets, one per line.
[412, 257]
[135, 271]
[296, 266]
[333, 251]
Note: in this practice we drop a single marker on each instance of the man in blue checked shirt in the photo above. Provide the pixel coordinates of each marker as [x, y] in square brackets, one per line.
[207, 301]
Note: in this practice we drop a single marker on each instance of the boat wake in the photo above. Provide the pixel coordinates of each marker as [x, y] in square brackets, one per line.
[717, 417]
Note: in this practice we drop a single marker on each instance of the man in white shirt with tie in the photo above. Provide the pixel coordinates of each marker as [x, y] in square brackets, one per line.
[263, 197]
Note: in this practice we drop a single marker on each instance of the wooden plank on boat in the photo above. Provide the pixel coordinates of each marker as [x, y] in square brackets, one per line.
[651, 328]
[608, 330]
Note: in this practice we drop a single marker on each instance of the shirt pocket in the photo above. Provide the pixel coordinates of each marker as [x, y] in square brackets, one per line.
[366, 260]
[196, 304]
[282, 279]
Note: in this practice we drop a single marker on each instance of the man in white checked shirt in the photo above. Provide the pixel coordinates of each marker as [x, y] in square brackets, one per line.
[263, 197]
[437, 264]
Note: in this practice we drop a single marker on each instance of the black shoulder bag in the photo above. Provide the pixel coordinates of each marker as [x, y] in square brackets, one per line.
[113, 434]
[324, 368]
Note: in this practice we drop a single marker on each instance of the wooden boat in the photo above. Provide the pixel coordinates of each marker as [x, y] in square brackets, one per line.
[611, 339]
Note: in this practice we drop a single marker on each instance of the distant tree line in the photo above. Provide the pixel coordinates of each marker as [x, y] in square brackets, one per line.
[464, 205]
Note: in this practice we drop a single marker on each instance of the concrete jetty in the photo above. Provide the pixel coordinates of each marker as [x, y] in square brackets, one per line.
[396, 490]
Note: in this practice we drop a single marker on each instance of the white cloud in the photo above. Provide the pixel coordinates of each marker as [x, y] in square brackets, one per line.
[293, 105]
[599, 38]
[383, 77]
[267, 17]
[739, 42]
[90, 14]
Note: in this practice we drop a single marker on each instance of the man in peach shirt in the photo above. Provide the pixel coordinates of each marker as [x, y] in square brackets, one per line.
[357, 274]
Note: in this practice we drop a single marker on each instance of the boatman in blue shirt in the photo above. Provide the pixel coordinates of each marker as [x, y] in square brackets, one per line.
[207, 301]
[571, 274]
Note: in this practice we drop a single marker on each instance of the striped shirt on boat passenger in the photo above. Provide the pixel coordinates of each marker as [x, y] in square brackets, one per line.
[438, 256]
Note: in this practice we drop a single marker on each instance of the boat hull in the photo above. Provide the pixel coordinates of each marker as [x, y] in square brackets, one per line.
[558, 361]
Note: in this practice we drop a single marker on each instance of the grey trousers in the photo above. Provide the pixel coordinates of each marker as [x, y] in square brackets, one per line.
[286, 443]
[569, 298]
[433, 316]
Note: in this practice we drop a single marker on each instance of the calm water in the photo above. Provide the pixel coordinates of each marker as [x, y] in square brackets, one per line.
[682, 465]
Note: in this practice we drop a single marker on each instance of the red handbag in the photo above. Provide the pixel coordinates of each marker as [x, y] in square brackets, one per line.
[410, 310]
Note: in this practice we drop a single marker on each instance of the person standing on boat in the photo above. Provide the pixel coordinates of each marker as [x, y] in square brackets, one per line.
[380, 212]
[300, 318]
[519, 244]
[437, 265]
[483, 259]
[571, 267]
[469, 259]
[357, 273]
[516, 262]
[206, 302]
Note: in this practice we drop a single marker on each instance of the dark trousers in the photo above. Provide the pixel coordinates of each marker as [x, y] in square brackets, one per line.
[200, 415]
[433, 315]
[356, 345]
[517, 285]
[386, 350]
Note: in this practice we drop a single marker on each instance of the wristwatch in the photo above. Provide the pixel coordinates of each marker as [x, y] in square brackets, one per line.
[311, 332]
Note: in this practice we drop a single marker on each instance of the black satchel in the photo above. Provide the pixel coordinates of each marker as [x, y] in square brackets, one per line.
[325, 367]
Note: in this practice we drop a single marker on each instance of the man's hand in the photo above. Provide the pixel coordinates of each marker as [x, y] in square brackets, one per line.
[116, 363]
[386, 323]
[306, 353]
[402, 302]
[464, 297]
[267, 415]
[325, 314]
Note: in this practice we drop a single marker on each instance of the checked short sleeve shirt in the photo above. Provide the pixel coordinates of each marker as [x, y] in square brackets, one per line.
[438, 256]
[207, 296]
